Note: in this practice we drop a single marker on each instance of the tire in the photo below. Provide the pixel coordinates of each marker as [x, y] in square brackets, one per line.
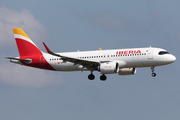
[91, 77]
[153, 74]
[103, 77]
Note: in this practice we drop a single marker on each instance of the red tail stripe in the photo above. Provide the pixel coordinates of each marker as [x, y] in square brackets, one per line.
[26, 48]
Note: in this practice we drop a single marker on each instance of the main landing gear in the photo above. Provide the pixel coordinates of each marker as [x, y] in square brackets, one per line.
[152, 69]
[102, 77]
[91, 77]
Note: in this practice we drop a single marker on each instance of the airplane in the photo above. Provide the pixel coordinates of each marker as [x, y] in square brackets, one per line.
[116, 61]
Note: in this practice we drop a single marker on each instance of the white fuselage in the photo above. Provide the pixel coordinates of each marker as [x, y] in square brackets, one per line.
[129, 58]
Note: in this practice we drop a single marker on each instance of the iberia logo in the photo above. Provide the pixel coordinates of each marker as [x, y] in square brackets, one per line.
[128, 52]
[107, 66]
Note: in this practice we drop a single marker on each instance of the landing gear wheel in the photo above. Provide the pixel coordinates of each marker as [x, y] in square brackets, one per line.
[91, 77]
[153, 74]
[103, 77]
[152, 69]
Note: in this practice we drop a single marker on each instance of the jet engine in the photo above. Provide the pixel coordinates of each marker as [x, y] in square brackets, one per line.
[127, 71]
[109, 68]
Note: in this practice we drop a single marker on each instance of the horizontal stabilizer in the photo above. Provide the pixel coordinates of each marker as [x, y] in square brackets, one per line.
[23, 60]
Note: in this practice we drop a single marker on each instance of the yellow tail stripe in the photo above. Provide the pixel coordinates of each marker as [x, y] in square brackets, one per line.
[19, 31]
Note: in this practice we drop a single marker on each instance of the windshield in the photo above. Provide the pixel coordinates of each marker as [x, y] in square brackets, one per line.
[163, 52]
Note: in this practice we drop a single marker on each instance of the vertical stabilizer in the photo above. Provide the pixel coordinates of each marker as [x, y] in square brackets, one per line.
[25, 45]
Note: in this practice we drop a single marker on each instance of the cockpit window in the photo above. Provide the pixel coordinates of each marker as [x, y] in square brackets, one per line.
[163, 52]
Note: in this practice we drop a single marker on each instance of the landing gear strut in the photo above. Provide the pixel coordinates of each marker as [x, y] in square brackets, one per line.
[91, 76]
[103, 77]
[152, 69]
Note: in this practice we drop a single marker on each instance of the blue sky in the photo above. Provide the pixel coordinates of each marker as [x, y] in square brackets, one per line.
[65, 25]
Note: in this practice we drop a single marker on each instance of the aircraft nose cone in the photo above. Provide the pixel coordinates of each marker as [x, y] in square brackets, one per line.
[172, 58]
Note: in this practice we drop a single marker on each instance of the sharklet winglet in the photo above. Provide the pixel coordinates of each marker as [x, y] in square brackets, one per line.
[49, 51]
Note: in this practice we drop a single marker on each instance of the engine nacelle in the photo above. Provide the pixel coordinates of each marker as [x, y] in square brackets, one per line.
[109, 68]
[127, 71]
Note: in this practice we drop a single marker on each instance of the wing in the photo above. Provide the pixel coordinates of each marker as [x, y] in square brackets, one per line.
[89, 64]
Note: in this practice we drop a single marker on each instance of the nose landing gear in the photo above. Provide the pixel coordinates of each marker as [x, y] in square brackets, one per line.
[152, 69]
[153, 74]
